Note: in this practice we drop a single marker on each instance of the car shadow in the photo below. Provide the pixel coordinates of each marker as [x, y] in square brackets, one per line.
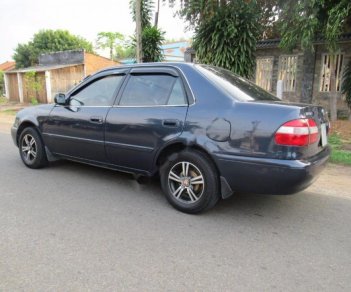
[262, 209]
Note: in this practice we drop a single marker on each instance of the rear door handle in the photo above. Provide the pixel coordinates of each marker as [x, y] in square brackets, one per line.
[171, 123]
[96, 120]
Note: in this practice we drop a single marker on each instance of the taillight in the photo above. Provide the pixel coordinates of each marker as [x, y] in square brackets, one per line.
[299, 132]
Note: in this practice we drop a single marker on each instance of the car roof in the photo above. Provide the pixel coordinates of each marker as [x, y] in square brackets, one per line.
[179, 65]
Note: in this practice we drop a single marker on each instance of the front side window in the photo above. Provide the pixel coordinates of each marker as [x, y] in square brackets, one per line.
[98, 93]
[153, 90]
[287, 72]
[331, 64]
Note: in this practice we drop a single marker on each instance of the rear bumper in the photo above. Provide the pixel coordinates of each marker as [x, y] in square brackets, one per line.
[270, 176]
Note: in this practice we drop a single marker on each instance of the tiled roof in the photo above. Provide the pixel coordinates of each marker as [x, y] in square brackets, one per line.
[8, 65]
[343, 38]
[270, 43]
[42, 68]
[274, 43]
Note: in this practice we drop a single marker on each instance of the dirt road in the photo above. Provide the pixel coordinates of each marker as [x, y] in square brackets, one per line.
[6, 121]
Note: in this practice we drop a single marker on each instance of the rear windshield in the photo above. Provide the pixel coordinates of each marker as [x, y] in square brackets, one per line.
[238, 87]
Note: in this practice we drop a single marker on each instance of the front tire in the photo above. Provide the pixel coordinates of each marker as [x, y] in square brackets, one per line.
[31, 148]
[190, 182]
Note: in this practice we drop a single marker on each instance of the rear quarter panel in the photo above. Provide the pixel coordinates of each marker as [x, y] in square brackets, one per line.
[251, 124]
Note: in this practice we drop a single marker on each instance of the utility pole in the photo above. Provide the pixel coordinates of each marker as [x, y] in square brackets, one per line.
[157, 13]
[139, 52]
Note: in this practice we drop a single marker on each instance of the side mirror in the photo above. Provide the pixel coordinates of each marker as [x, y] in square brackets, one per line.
[60, 98]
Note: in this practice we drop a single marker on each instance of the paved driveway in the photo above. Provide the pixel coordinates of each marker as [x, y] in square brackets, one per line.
[71, 227]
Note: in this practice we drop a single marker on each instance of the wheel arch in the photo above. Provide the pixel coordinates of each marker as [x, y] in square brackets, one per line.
[178, 146]
[24, 125]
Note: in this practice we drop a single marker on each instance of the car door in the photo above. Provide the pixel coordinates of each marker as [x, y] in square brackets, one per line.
[149, 112]
[77, 129]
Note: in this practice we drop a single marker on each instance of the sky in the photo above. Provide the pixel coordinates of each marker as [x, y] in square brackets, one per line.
[21, 19]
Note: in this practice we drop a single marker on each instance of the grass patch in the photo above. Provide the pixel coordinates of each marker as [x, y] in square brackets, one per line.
[34, 101]
[341, 157]
[9, 112]
[338, 154]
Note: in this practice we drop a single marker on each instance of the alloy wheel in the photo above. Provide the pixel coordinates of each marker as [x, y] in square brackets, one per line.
[29, 148]
[186, 182]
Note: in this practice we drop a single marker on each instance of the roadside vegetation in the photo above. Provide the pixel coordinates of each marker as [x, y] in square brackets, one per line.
[226, 31]
[46, 41]
[339, 153]
[9, 112]
[3, 100]
[2, 85]
[152, 37]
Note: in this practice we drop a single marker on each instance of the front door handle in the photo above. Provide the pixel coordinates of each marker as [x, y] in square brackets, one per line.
[171, 123]
[96, 120]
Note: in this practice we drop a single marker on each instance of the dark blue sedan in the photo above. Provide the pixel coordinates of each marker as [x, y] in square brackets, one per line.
[205, 131]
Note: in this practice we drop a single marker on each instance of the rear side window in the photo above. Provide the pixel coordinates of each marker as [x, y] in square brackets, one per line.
[237, 87]
[153, 90]
[177, 96]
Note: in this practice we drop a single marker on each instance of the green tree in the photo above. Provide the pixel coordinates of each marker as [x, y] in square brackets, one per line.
[269, 15]
[25, 55]
[226, 33]
[152, 37]
[195, 12]
[124, 51]
[47, 41]
[2, 85]
[147, 6]
[109, 40]
[34, 86]
[346, 86]
[302, 22]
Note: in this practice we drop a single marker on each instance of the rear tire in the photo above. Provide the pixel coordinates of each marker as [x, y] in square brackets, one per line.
[32, 149]
[190, 181]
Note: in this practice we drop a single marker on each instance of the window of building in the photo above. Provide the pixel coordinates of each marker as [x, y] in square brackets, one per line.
[153, 89]
[287, 72]
[329, 63]
[264, 72]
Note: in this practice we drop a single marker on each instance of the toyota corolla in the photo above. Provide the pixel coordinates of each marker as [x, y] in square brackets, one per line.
[205, 131]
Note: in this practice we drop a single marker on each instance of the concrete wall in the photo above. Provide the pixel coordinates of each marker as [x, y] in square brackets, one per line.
[276, 53]
[62, 58]
[308, 75]
[323, 98]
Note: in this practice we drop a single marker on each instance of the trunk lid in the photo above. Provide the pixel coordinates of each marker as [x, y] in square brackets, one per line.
[299, 111]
